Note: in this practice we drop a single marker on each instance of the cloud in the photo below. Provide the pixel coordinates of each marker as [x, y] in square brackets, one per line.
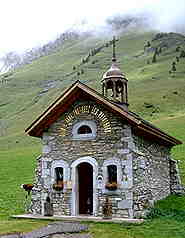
[168, 15]
[26, 24]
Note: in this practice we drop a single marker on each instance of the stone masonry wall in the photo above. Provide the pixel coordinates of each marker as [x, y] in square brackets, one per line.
[35, 206]
[151, 174]
[145, 170]
[176, 186]
[104, 148]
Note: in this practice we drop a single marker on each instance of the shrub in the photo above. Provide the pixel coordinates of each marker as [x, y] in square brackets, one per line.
[166, 213]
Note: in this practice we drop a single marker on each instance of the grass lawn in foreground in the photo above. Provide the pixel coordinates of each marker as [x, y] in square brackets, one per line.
[156, 228]
[9, 226]
[166, 220]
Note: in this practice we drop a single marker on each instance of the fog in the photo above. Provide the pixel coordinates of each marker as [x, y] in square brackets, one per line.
[27, 24]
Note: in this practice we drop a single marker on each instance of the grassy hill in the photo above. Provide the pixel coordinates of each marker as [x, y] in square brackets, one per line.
[154, 93]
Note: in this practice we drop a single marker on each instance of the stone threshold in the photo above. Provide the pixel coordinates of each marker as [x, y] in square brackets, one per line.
[78, 218]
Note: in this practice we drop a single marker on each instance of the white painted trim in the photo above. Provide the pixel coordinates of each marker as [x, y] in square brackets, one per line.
[74, 177]
[88, 123]
[65, 166]
[113, 161]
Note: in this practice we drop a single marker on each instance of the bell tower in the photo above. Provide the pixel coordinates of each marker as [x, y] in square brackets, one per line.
[115, 82]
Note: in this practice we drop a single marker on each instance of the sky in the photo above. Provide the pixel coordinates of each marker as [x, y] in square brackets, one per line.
[26, 24]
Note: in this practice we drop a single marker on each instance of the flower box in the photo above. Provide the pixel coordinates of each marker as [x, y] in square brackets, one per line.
[58, 186]
[111, 186]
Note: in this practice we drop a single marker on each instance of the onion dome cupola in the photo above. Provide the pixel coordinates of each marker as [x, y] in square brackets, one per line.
[115, 81]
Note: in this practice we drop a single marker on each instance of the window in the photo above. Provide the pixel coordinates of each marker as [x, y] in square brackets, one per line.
[112, 173]
[59, 181]
[84, 130]
[111, 178]
[59, 174]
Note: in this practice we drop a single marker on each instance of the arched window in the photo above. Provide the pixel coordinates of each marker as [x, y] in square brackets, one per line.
[112, 173]
[59, 179]
[59, 174]
[84, 130]
[111, 177]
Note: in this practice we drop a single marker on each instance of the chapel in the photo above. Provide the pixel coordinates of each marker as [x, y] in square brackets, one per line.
[95, 149]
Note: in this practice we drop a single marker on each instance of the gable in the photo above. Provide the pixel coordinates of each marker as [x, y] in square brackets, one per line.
[104, 129]
[79, 91]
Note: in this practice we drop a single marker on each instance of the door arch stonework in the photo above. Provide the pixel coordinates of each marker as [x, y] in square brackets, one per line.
[74, 177]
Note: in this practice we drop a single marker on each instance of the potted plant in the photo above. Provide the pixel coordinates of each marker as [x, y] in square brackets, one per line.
[58, 186]
[112, 186]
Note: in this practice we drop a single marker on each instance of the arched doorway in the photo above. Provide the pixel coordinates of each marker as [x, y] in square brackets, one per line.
[93, 171]
[85, 188]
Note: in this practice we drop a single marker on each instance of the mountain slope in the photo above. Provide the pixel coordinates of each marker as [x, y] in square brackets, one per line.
[25, 92]
[154, 94]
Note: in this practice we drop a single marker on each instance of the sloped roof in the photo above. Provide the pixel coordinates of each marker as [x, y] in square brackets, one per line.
[80, 90]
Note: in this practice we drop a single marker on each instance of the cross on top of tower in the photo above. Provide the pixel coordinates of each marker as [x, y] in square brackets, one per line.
[115, 81]
[114, 49]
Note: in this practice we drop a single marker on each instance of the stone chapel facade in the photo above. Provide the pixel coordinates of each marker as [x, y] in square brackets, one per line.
[94, 148]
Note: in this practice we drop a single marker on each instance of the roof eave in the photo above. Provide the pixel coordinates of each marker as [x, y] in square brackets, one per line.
[158, 134]
[35, 128]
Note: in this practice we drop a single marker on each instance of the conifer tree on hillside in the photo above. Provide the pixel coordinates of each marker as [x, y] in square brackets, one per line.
[154, 59]
[173, 67]
[182, 54]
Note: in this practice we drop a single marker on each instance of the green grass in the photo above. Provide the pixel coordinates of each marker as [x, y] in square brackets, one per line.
[11, 226]
[167, 221]
[20, 104]
[17, 167]
[158, 228]
[168, 217]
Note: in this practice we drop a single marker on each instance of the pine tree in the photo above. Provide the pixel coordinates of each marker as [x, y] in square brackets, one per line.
[160, 50]
[177, 49]
[182, 54]
[148, 44]
[154, 59]
[174, 67]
